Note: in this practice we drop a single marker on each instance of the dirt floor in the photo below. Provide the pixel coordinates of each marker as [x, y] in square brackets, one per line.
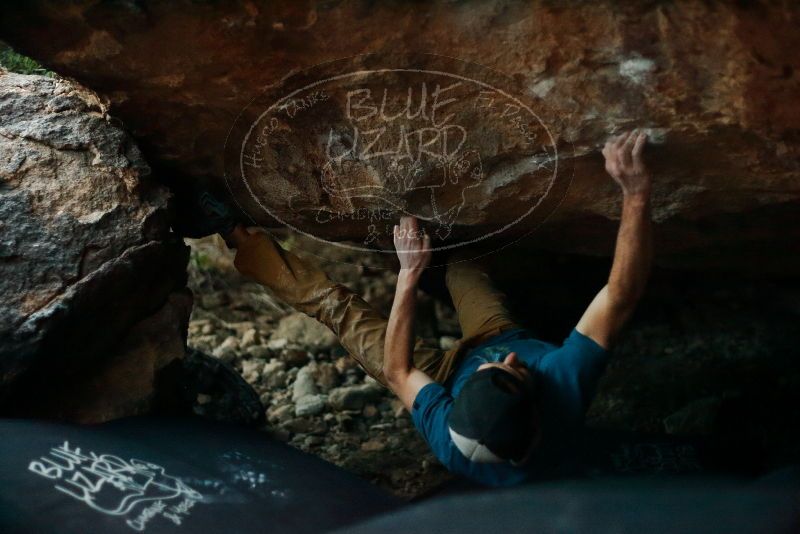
[709, 355]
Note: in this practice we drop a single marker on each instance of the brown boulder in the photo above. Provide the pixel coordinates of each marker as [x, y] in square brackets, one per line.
[87, 257]
[716, 85]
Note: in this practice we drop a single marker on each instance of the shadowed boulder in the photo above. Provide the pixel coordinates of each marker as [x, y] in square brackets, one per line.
[86, 254]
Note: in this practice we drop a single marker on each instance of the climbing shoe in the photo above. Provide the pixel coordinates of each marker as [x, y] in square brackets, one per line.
[200, 214]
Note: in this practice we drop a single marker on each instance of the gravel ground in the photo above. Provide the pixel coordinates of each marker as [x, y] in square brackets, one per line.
[316, 398]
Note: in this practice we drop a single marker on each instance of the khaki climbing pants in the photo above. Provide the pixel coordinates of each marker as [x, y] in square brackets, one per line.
[361, 329]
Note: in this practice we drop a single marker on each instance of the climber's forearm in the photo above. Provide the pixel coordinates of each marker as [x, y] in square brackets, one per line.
[401, 376]
[633, 254]
[400, 330]
[614, 304]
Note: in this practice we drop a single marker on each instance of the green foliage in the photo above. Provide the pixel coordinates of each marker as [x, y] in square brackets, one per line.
[200, 260]
[15, 62]
[290, 243]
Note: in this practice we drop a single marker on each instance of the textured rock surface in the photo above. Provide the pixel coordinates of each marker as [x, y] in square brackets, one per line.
[86, 253]
[716, 84]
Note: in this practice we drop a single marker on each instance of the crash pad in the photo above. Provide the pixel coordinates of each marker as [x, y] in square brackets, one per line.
[170, 475]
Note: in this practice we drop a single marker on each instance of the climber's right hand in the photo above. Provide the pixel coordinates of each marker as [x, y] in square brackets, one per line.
[623, 154]
[413, 245]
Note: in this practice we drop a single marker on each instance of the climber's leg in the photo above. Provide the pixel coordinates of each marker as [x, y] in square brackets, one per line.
[304, 286]
[481, 308]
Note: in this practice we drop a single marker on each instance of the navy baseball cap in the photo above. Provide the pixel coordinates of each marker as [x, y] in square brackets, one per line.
[493, 418]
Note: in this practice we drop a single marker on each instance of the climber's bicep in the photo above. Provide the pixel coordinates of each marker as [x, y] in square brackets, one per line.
[604, 319]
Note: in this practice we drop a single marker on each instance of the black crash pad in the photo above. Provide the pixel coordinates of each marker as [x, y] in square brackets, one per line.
[686, 505]
[170, 475]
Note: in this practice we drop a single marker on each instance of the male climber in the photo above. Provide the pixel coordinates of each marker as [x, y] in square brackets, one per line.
[502, 407]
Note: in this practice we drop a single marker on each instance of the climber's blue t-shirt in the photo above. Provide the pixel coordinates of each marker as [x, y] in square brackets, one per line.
[566, 378]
